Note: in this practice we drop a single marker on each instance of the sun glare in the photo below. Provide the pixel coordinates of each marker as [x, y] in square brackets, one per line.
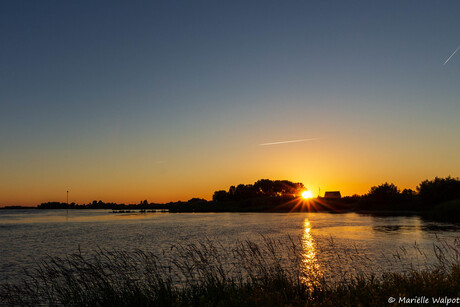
[306, 194]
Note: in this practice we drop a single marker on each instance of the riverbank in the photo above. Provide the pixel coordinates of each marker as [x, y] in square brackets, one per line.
[444, 212]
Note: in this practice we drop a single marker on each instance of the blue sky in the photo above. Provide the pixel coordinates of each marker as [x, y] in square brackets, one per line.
[170, 99]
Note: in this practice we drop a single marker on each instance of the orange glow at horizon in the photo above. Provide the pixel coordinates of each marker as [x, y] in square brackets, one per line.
[202, 170]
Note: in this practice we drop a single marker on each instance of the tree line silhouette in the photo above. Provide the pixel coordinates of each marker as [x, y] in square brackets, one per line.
[263, 187]
[428, 194]
[438, 198]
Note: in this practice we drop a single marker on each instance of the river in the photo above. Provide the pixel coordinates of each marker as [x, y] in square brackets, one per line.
[351, 241]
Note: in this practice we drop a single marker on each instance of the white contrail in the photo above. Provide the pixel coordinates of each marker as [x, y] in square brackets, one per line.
[286, 142]
[451, 55]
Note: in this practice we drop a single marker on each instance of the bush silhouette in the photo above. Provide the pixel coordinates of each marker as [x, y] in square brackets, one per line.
[384, 192]
[263, 187]
[439, 190]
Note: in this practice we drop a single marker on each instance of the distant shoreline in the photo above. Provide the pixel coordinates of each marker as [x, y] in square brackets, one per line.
[444, 212]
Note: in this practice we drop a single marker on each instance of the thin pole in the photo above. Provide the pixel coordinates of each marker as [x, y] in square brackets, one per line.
[67, 202]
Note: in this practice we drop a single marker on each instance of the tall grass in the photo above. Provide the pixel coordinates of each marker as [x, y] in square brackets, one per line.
[270, 273]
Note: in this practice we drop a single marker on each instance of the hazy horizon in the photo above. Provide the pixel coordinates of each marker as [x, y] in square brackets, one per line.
[123, 102]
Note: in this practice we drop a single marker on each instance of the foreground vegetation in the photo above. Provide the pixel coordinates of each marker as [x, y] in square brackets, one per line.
[205, 274]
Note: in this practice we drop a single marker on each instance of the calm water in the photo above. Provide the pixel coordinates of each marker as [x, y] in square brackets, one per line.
[28, 236]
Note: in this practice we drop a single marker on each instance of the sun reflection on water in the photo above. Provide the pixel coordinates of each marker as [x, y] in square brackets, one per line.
[311, 269]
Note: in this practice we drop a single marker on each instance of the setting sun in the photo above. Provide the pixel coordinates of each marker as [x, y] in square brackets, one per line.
[306, 194]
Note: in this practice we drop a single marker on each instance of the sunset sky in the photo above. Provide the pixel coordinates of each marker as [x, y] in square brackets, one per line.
[168, 100]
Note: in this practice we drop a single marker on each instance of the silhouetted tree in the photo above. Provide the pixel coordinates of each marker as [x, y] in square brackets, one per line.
[52, 205]
[196, 200]
[408, 195]
[220, 196]
[245, 191]
[439, 190]
[231, 192]
[263, 187]
[384, 192]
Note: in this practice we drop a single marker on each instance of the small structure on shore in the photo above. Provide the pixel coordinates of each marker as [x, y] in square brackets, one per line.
[332, 195]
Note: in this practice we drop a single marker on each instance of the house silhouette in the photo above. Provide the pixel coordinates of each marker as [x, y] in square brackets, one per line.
[332, 195]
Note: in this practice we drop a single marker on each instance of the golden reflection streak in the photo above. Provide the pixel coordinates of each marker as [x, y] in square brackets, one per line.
[311, 270]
